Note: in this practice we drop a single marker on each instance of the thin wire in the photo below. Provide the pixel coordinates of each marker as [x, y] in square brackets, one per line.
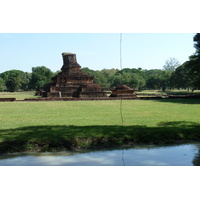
[121, 114]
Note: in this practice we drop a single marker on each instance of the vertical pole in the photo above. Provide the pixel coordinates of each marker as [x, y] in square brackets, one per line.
[121, 78]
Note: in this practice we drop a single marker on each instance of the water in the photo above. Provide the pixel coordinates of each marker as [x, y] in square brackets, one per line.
[176, 155]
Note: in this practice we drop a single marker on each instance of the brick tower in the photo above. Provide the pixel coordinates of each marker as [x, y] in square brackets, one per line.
[72, 82]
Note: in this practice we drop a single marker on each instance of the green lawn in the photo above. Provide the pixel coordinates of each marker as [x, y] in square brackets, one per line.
[85, 124]
[18, 95]
[83, 113]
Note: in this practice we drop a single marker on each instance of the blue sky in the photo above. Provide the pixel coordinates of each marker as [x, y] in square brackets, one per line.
[23, 51]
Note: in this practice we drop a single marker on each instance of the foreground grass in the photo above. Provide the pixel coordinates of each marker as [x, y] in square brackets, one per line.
[52, 126]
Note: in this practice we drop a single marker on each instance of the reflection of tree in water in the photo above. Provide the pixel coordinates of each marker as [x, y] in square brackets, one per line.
[196, 160]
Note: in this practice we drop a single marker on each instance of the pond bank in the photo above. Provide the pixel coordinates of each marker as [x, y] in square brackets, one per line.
[60, 138]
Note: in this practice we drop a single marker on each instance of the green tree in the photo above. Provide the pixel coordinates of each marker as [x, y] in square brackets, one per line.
[13, 79]
[25, 83]
[137, 82]
[104, 77]
[133, 78]
[116, 81]
[197, 44]
[193, 65]
[40, 76]
[101, 79]
[88, 71]
[126, 78]
[153, 79]
[166, 79]
[181, 78]
[2, 85]
[170, 66]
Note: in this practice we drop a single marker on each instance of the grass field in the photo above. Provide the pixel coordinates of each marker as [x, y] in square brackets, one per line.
[58, 125]
[18, 95]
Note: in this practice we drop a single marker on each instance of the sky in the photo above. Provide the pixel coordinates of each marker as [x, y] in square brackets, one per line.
[96, 51]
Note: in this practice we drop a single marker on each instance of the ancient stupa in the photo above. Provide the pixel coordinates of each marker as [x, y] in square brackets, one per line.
[123, 91]
[72, 82]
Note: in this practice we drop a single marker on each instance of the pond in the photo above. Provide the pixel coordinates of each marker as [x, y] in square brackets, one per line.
[148, 155]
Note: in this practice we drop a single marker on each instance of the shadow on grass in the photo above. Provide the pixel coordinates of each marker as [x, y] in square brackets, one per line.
[180, 100]
[58, 138]
[182, 124]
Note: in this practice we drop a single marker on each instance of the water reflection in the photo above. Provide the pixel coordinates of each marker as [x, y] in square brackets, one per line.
[196, 160]
[179, 155]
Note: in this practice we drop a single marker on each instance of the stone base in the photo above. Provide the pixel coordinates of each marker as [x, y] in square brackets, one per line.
[124, 96]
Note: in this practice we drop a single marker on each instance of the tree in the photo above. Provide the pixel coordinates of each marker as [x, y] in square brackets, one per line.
[171, 64]
[2, 85]
[197, 44]
[13, 79]
[25, 83]
[165, 79]
[104, 77]
[88, 71]
[193, 65]
[133, 78]
[100, 79]
[40, 76]
[181, 78]
[137, 81]
[153, 79]
[116, 81]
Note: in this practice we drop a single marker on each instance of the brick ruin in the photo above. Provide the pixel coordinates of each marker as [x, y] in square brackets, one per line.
[123, 91]
[72, 82]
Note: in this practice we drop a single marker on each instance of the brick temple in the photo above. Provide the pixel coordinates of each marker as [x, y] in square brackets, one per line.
[123, 91]
[72, 82]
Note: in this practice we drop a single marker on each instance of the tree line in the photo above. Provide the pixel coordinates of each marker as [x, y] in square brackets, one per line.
[173, 76]
[16, 80]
